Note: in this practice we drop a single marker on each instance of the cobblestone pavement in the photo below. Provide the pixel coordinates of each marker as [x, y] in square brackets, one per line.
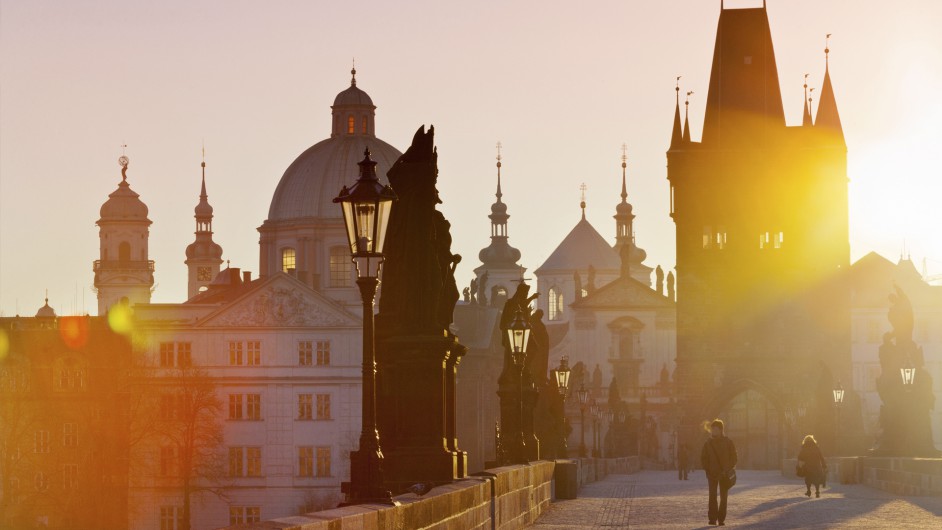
[761, 499]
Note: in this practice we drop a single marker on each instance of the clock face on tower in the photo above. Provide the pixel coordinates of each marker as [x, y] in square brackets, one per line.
[204, 274]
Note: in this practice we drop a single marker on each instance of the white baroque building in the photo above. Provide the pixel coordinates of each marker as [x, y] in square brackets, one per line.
[282, 351]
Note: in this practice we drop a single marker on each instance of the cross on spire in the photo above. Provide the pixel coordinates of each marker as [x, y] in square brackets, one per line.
[353, 73]
[582, 189]
[499, 194]
[827, 49]
[624, 165]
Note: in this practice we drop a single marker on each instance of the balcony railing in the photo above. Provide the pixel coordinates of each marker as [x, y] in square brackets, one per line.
[123, 265]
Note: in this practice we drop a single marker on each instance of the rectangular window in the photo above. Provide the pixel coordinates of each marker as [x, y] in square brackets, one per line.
[719, 238]
[235, 353]
[707, 237]
[253, 353]
[778, 240]
[184, 354]
[765, 241]
[166, 354]
[41, 442]
[253, 406]
[341, 267]
[235, 461]
[323, 353]
[305, 353]
[323, 461]
[167, 461]
[68, 435]
[236, 515]
[235, 406]
[305, 406]
[69, 476]
[253, 461]
[306, 461]
[171, 517]
[253, 514]
[323, 406]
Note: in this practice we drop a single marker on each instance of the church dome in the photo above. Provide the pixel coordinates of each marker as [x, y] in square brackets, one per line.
[201, 249]
[123, 204]
[309, 185]
[623, 208]
[46, 311]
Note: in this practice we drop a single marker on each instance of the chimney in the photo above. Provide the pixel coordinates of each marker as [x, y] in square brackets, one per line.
[246, 277]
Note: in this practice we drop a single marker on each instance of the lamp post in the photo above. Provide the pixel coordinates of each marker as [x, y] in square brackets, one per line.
[366, 208]
[562, 384]
[838, 393]
[519, 334]
[583, 398]
[596, 424]
[908, 373]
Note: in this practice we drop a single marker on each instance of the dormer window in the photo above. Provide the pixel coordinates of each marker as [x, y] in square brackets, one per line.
[351, 124]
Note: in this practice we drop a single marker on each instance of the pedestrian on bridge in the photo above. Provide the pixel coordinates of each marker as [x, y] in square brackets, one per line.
[812, 465]
[719, 464]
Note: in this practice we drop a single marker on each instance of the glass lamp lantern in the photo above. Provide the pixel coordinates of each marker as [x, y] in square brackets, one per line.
[366, 207]
[562, 376]
[908, 373]
[518, 334]
[838, 393]
[583, 394]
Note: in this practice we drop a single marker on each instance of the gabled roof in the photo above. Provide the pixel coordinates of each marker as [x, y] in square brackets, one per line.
[583, 247]
[873, 277]
[621, 293]
[280, 301]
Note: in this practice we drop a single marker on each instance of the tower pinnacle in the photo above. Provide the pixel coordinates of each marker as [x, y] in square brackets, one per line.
[677, 134]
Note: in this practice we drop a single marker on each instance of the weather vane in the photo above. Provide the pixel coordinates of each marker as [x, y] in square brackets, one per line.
[499, 145]
[123, 161]
[689, 93]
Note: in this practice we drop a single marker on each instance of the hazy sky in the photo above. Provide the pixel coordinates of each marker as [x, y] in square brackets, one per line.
[561, 85]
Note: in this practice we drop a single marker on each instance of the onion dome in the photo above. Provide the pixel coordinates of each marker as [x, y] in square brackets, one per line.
[46, 311]
[309, 185]
[124, 204]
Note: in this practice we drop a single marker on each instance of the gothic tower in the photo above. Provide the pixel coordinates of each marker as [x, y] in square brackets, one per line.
[632, 257]
[123, 273]
[203, 256]
[760, 209]
[499, 273]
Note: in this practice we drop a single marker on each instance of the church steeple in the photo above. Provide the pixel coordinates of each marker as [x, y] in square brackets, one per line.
[677, 134]
[624, 216]
[806, 115]
[499, 268]
[686, 117]
[828, 119]
[203, 256]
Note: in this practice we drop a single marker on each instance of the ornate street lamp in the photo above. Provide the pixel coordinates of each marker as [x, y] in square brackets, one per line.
[562, 376]
[583, 399]
[595, 413]
[838, 394]
[366, 208]
[838, 400]
[908, 372]
[518, 334]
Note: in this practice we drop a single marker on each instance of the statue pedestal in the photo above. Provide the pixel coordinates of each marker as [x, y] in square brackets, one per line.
[416, 406]
[905, 414]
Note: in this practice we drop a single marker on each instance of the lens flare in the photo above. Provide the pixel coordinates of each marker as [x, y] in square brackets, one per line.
[74, 331]
[4, 344]
[120, 319]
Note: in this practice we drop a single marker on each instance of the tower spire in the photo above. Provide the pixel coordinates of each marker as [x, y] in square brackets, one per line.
[624, 171]
[582, 189]
[353, 73]
[677, 135]
[686, 115]
[499, 194]
[828, 119]
[806, 115]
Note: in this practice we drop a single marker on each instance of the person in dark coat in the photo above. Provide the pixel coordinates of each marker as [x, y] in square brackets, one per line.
[718, 457]
[683, 462]
[812, 462]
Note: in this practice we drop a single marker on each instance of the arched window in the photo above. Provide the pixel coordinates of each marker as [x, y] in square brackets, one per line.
[124, 251]
[364, 125]
[288, 257]
[351, 124]
[556, 304]
[341, 268]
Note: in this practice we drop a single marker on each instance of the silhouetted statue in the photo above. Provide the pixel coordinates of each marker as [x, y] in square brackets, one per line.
[597, 377]
[419, 290]
[590, 284]
[900, 316]
[670, 285]
[520, 300]
[482, 289]
[466, 295]
[578, 281]
[659, 280]
[538, 349]
[473, 290]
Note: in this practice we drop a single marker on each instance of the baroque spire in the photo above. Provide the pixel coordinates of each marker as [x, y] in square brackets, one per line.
[677, 134]
[828, 119]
